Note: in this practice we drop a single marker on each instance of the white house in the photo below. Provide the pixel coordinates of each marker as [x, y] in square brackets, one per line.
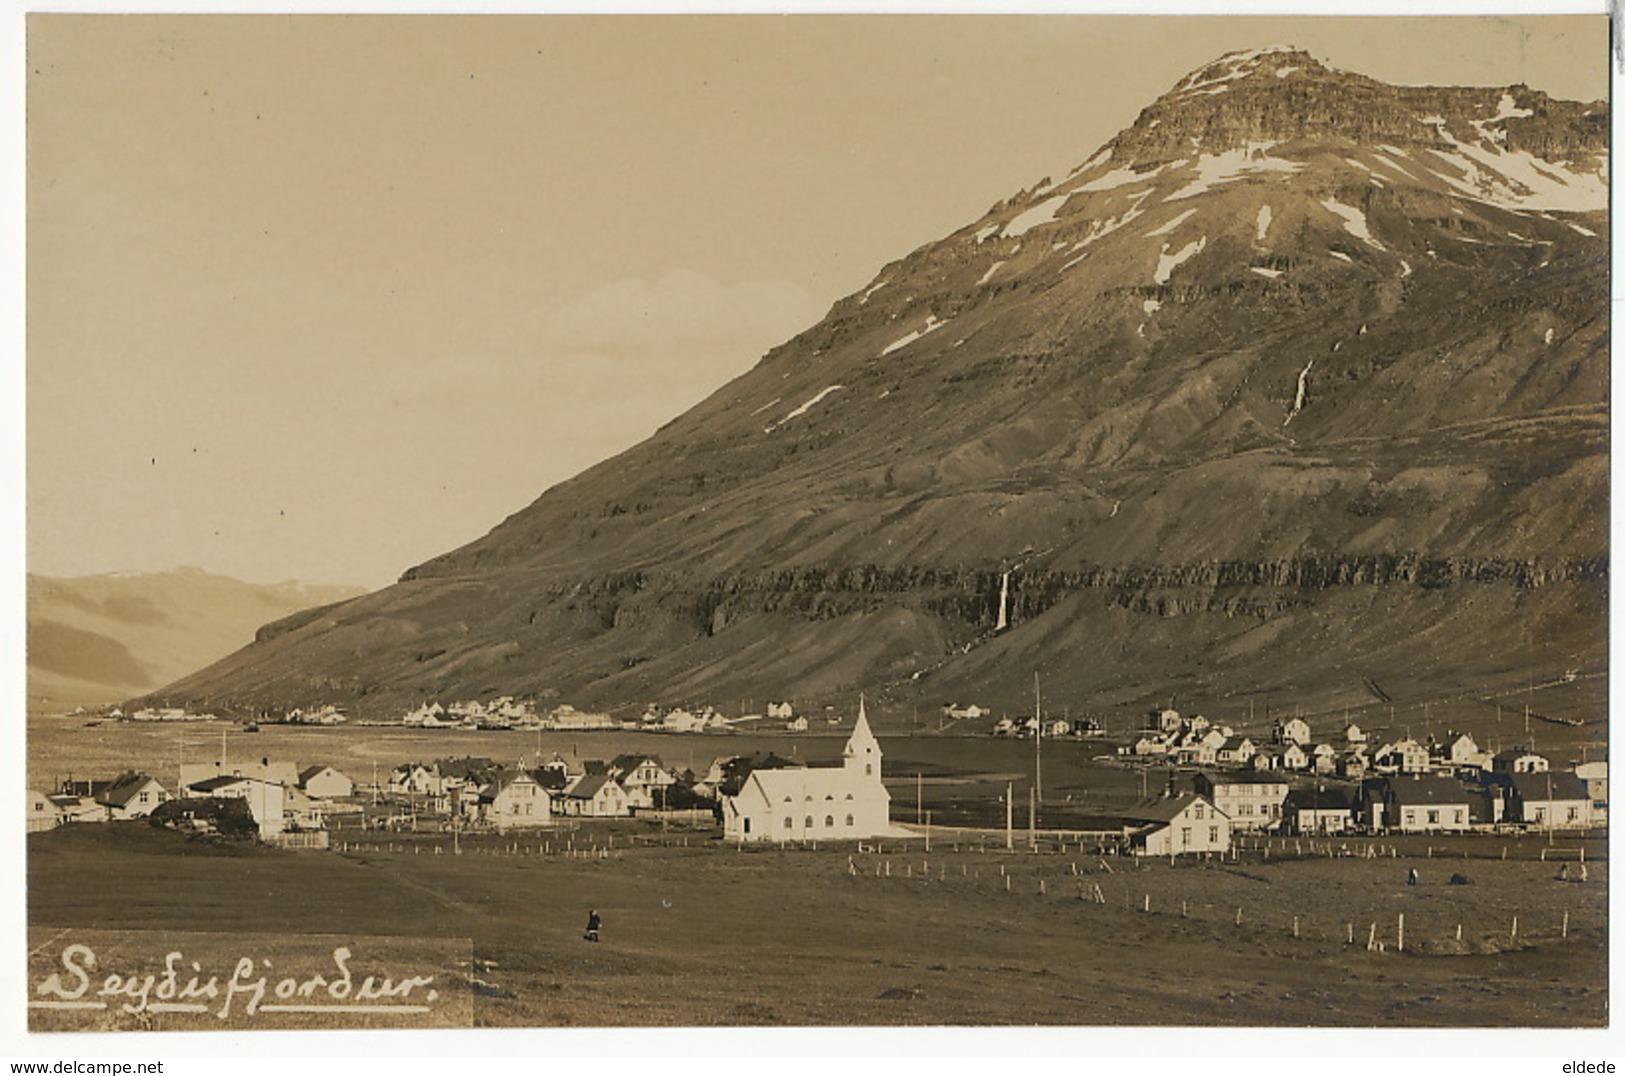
[1416, 804]
[1250, 800]
[593, 795]
[1177, 825]
[643, 777]
[1294, 757]
[1294, 730]
[267, 800]
[41, 813]
[281, 773]
[514, 800]
[1595, 775]
[325, 783]
[132, 795]
[1405, 756]
[843, 800]
[780, 711]
[1520, 760]
[1551, 800]
[1464, 751]
[1353, 734]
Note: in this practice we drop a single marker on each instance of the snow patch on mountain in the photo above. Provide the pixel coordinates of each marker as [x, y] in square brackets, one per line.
[994, 268]
[1171, 225]
[804, 408]
[1262, 270]
[1040, 214]
[931, 326]
[1167, 263]
[1265, 215]
[1354, 221]
[1213, 169]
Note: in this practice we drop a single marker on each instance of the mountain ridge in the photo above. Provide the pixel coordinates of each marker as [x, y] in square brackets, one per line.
[1221, 346]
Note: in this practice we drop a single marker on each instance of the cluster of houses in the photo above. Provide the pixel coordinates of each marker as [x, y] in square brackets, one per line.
[1048, 727]
[507, 712]
[1221, 804]
[483, 792]
[280, 797]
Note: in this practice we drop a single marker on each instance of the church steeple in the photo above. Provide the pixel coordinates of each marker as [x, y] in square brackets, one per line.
[862, 749]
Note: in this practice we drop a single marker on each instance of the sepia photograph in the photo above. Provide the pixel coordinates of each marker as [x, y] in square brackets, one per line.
[793, 520]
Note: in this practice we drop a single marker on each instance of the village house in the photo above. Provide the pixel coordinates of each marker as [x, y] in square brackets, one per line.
[1150, 745]
[1266, 759]
[325, 783]
[593, 795]
[1463, 752]
[41, 813]
[1353, 735]
[1294, 757]
[266, 800]
[1520, 760]
[1415, 804]
[964, 713]
[1166, 721]
[1293, 730]
[1323, 759]
[1251, 801]
[1318, 811]
[1405, 756]
[279, 773]
[414, 778]
[73, 805]
[796, 724]
[131, 795]
[513, 799]
[780, 711]
[1234, 751]
[841, 800]
[1595, 775]
[1551, 800]
[643, 777]
[1353, 765]
[1176, 825]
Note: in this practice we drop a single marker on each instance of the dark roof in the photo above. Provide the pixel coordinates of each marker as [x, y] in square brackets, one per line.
[1420, 789]
[1162, 809]
[550, 777]
[93, 789]
[587, 787]
[212, 783]
[627, 763]
[123, 788]
[1319, 799]
[1549, 786]
[1512, 753]
[596, 766]
[311, 771]
[464, 767]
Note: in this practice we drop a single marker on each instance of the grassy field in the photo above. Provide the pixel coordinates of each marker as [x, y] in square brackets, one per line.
[704, 934]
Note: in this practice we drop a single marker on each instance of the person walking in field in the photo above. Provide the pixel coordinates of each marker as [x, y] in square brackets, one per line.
[593, 923]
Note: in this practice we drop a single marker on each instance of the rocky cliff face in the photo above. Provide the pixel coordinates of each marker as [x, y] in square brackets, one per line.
[1296, 358]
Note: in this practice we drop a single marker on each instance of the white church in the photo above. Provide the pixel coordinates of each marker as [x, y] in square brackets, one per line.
[830, 800]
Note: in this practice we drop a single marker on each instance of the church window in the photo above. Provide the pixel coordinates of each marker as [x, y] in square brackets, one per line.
[849, 820]
[868, 769]
[809, 822]
[849, 795]
[829, 821]
[789, 823]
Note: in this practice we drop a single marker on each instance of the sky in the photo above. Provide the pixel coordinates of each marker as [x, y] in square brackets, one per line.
[320, 297]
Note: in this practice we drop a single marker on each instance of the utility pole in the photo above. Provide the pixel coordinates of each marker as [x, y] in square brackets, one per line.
[1032, 819]
[1009, 816]
[919, 796]
[1038, 741]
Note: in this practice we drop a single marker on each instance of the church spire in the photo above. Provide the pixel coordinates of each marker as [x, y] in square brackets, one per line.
[861, 747]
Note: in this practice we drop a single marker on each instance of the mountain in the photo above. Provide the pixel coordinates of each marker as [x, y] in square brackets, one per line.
[102, 638]
[1295, 389]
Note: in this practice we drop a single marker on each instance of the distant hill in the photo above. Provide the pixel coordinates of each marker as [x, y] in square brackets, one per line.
[104, 638]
